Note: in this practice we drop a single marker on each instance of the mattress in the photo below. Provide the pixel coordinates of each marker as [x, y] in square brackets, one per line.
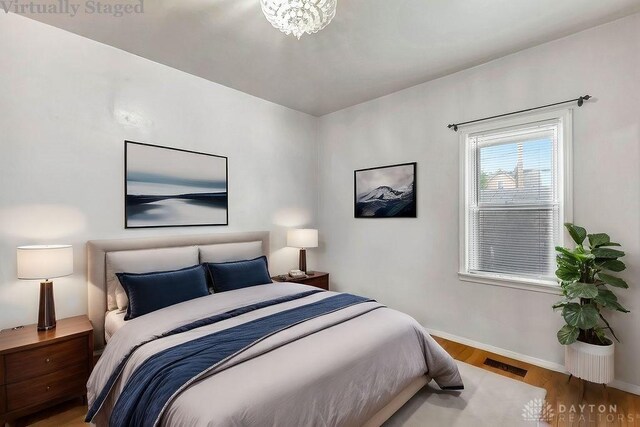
[113, 321]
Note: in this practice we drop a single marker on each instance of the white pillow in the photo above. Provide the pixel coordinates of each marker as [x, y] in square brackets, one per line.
[143, 261]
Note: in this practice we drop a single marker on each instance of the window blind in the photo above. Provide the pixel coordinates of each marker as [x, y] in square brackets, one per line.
[513, 218]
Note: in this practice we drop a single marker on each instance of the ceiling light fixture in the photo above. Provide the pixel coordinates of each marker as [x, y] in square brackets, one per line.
[299, 16]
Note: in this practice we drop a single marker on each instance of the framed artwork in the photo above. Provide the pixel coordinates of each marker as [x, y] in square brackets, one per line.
[168, 187]
[386, 192]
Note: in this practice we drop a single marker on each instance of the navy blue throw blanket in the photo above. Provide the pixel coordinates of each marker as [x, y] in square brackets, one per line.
[163, 375]
[197, 324]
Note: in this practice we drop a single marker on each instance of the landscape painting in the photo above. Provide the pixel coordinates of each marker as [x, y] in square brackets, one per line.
[386, 192]
[168, 187]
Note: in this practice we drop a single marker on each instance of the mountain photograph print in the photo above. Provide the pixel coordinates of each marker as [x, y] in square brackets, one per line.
[168, 187]
[386, 192]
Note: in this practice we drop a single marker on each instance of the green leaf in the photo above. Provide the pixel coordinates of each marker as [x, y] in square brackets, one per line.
[612, 265]
[578, 234]
[611, 244]
[598, 239]
[616, 306]
[568, 334]
[568, 274]
[583, 255]
[567, 253]
[569, 261]
[580, 316]
[582, 290]
[616, 282]
[605, 297]
[607, 253]
[608, 299]
[579, 254]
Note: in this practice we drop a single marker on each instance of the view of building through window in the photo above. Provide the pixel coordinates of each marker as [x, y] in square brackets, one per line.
[521, 171]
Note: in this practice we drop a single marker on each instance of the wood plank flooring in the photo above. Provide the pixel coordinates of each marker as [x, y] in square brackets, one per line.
[599, 407]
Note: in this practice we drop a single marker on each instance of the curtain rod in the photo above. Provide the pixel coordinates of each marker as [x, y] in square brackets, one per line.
[580, 101]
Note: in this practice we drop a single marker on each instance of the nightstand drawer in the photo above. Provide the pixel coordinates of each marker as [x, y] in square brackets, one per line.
[320, 282]
[61, 383]
[43, 360]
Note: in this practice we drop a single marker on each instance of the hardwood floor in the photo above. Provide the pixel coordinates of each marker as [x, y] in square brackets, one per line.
[599, 407]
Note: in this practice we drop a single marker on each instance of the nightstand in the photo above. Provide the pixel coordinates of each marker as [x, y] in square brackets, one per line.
[319, 280]
[44, 368]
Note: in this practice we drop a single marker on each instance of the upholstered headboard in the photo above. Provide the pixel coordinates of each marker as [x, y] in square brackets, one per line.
[153, 254]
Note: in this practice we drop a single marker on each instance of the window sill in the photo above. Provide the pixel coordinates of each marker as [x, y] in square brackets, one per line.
[533, 285]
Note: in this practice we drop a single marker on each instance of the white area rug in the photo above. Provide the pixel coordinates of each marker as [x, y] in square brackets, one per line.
[488, 400]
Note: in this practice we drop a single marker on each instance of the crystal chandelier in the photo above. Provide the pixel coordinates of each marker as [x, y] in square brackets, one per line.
[299, 16]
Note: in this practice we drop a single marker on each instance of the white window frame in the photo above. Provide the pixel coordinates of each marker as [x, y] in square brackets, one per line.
[565, 197]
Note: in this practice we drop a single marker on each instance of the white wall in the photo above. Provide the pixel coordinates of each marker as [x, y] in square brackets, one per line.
[412, 264]
[61, 152]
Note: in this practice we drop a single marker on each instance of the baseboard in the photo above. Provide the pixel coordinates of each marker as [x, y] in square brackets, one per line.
[552, 366]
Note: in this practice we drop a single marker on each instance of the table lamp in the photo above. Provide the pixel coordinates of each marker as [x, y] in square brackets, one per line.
[302, 238]
[44, 262]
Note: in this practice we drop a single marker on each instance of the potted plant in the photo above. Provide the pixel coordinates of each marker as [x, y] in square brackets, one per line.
[585, 279]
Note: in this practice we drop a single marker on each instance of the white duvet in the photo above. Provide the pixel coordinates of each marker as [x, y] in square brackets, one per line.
[346, 367]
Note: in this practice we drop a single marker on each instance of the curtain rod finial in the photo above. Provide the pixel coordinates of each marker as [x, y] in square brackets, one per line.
[454, 126]
[582, 99]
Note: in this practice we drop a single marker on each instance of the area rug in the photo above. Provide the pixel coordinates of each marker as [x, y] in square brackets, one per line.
[488, 400]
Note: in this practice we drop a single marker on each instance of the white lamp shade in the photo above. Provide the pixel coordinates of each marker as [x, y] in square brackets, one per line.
[302, 238]
[44, 261]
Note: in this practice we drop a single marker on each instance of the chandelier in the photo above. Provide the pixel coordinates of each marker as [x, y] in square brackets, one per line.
[299, 16]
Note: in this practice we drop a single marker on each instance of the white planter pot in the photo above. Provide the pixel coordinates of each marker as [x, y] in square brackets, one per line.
[590, 362]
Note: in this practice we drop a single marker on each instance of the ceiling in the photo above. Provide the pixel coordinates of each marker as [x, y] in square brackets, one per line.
[372, 47]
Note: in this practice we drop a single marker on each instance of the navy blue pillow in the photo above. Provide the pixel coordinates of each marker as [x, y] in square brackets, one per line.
[149, 292]
[228, 276]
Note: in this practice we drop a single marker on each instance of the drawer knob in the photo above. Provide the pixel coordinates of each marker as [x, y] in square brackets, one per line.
[48, 387]
[47, 360]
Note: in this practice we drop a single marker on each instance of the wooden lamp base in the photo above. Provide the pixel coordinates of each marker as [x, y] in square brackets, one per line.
[47, 309]
[302, 264]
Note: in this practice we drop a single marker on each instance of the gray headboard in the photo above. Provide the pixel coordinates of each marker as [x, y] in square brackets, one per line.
[97, 251]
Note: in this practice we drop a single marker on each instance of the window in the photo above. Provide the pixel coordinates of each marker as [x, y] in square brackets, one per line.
[515, 186]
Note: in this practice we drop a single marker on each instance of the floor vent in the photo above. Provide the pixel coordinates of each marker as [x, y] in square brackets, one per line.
[505, 367]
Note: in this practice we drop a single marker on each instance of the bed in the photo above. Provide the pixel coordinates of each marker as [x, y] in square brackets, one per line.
[344, 360]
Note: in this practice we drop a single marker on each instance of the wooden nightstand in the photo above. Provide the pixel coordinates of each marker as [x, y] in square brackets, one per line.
[43, 368]
[319, 280]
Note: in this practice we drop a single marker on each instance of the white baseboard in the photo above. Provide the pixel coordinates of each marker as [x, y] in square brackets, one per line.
[552, 366]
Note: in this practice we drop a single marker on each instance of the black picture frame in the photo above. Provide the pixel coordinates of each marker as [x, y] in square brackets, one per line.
[137, 206]
[386, 203]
